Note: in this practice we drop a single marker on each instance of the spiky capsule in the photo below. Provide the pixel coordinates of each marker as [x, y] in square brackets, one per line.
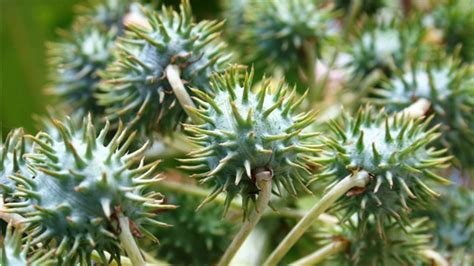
[449, 87]
[394, 151]
[246, 132]
[79, 187]
[75, 64]
[382, 43]
[12, 161]
[277, 30]
[108, 13]
[14, 253]
[397, 246]
[453, 220]
[136, 87]
[196, 238]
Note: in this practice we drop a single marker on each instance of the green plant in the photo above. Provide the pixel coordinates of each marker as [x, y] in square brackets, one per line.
[234, 141]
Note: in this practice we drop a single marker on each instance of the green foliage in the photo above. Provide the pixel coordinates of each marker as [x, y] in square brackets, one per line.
[79, 187]
[449, 86]
[196, 238]
[396, 153]
[12, 161]
[136, 87]
[456, 20]
[246, 132]
[369, 7]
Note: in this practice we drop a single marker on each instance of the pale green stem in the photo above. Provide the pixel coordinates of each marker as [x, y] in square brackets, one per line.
[359, 179]
[322, 253]
[264, 182]
[127, 241]
[354, 10]
[435, 258]
[174, 78]
[314, 89]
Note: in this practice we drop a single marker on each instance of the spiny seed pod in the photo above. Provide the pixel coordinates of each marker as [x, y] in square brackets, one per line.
[12, 161]
[75, 63]
[449, 87]
[394, 151]
[277, 30]
[381, 44]
[453, 220]
[136, 87]
[455, 19]
[109, 13]
[13, 252]
[397, 246]
[80, 187]
[196, 238]
[245, 132]
[234, 14]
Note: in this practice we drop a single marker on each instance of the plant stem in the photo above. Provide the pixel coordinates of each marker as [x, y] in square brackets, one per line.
[416, 109]
[314, 90]
[319, 255]
[434, 257]
[174, 78]
[264, 182]
[358, 179]
[128, 242]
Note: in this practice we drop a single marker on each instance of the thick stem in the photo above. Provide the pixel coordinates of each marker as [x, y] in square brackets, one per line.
[322, 253]
[174, 78]
[435, 258]
[309, 52]
[359, 179]
[128, 242]
[264, 182]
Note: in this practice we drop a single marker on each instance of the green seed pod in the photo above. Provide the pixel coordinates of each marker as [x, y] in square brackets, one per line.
[136, 87]
[108, 13]
[453, 219]
[395, 152]
[245, 132]
[12, 161]
[449, 86]
[79, 188]
[396, 246]
[196, 238]
[75, 63]
[384, 43]
[455, 19]
[278, 30]
[14, 253]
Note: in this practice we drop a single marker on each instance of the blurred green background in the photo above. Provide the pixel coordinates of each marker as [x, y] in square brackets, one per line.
[25, 27]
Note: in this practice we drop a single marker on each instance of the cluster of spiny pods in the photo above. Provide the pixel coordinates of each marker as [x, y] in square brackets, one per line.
[137, 84]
